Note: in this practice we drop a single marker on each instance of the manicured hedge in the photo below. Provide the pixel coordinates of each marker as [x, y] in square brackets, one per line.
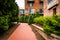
[50, 24]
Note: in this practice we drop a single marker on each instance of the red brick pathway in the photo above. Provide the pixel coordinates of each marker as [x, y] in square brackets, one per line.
[23, 32]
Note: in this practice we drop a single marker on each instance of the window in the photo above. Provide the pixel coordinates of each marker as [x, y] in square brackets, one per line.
[21, 11]
[49, 1]
[32, 11]
[26, 10]
[41, 11]
[41, 3]
[30, 4]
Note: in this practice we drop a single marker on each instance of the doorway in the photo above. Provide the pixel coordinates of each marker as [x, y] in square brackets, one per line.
[54, 11]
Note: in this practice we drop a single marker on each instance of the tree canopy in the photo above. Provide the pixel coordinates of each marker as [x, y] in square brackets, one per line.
[9, 7]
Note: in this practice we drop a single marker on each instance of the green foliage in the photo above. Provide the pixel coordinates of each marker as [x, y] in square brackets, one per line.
[8, 7]
[28, 18]
[21, 19]
[39, 20]
[8, 13]
[36, 14]
[4, 23]
[50, 24]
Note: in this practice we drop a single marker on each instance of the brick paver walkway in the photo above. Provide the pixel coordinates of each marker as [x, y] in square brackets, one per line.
[23, 32]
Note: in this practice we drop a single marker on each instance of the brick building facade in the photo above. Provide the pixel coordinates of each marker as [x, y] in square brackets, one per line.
[44, 7]
[33, 6]
[51, 7]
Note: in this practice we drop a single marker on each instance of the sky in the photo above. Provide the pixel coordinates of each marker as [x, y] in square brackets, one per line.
[21, 4]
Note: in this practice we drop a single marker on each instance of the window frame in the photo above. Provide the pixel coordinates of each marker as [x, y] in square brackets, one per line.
[30, 4]
[49, 1]
[41, 3]
[21, 11]
[41, 11]
[32, 11]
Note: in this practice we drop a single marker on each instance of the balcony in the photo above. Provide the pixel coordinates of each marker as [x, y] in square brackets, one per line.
[52, 3]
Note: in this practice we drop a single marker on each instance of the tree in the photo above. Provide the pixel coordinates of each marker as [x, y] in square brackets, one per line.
[9, 7]
[8, 13]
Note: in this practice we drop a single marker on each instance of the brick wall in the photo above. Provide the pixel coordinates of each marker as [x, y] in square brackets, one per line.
[50, 12]
[35, 6]
[58, 8]
[46, 11]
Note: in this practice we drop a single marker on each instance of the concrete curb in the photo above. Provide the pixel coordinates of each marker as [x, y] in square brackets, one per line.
[44, 35]
[37, 27]
[55, 36]
[41, 33]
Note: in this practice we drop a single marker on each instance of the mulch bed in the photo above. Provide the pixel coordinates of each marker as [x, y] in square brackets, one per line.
[6, 34]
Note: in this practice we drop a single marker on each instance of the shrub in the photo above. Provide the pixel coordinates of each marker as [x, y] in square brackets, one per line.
[8, 13]
[39, 20]
[9, 7]
[28, 18]
[21, 19]
[54, 25]
[4, 23]
[50, 24]
[14, 19]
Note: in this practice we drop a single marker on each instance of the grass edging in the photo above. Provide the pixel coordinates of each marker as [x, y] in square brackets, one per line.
[44, 35]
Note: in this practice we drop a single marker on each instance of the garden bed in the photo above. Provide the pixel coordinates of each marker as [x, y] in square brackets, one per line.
[51, 37]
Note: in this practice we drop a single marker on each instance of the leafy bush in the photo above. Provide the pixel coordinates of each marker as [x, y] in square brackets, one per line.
[39, 20]
[21, 19]
[4, 23]
[9, 7]
[8, 13]
[28, 18]
[50, 24]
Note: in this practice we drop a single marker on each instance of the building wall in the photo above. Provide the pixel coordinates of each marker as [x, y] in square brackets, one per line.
[49, 12]
[46, 11]
[36, 6]
[58, 8]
